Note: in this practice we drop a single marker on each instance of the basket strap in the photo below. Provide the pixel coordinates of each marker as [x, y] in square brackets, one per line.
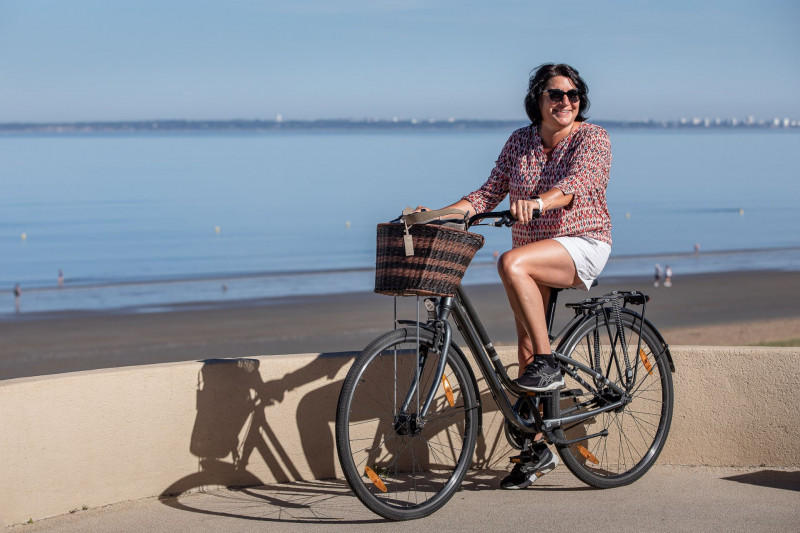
[410, 218]
[422, 217]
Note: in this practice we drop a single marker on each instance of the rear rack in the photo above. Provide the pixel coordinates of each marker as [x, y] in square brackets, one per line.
[628, 297]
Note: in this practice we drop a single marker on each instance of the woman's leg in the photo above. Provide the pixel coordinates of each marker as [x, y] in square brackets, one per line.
[525, 348]
[527, 273]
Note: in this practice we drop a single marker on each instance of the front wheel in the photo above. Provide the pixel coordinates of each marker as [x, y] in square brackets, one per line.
[399, 465]
[637, 431]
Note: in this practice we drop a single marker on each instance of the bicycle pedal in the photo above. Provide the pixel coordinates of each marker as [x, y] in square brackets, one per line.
[521, 458]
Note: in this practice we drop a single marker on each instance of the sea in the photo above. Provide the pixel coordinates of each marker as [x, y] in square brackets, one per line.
[154, 222]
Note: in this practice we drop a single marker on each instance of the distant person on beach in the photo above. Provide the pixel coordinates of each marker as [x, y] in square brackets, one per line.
[667, 276]
[555, 172]
[60, 279]
[696, 249]
[659, 273]
[17, 294]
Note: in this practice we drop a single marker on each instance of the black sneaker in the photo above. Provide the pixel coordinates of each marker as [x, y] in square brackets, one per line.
[540, 376]
[523, 475]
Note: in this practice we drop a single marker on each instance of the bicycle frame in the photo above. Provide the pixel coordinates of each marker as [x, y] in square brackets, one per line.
[497, 378]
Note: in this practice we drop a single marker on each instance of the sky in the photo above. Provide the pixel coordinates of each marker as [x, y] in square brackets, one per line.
[108, 60]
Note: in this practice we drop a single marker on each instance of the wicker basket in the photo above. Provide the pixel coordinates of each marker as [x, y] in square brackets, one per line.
[441, 256]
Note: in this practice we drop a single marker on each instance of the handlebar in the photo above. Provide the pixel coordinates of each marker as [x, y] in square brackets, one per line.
[502, 218]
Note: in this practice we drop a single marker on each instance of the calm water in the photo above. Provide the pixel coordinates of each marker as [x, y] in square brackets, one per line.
[119, 213]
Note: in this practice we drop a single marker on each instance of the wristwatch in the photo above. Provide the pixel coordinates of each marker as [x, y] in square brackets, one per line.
[540, 202]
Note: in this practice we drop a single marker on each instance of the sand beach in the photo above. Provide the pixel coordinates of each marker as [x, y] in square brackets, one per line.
[736, 308]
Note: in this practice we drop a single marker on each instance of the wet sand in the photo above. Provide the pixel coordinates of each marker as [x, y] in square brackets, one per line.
[739, 308]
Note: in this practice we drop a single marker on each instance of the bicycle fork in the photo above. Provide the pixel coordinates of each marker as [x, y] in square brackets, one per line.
[441, 345]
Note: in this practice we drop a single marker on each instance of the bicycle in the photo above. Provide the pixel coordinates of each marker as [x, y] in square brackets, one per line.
[409, 410]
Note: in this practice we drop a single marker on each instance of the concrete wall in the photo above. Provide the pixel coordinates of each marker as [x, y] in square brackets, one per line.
[95, 438]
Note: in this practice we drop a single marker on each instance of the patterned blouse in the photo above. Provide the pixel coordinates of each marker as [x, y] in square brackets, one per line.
[578, 165]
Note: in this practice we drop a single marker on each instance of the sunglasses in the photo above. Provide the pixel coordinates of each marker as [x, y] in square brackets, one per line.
[556, 95]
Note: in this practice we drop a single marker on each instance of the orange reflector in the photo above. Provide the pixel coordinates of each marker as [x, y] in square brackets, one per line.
[448, 391]
[375, 479]
[646, 361]
[588, 455]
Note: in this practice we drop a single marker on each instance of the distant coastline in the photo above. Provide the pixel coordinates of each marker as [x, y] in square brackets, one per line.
[375, 125]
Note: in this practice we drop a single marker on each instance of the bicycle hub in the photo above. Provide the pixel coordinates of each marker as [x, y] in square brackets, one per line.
[405, 424]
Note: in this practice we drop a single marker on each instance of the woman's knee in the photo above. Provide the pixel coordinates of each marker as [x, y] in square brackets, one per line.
[509, 265]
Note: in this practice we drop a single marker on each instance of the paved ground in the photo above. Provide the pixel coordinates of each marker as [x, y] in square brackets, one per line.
[668, 498]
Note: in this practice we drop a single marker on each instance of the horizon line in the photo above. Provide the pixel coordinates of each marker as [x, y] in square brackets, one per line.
[279, 119]
[278, 123]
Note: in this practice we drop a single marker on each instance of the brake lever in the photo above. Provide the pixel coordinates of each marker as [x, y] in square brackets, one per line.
[507, 221]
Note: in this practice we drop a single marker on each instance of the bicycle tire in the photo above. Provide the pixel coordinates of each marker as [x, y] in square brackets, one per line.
[397, 475]
[639, 429]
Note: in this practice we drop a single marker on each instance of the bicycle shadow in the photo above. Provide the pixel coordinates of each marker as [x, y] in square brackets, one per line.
[232, 427]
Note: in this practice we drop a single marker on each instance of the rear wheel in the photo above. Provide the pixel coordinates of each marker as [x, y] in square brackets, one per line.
[638, 430]
[400, 466]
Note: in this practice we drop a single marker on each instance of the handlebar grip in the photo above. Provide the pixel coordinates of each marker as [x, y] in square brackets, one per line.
[505, 218]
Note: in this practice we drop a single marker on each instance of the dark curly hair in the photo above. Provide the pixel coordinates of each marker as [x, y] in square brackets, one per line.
[539, 79]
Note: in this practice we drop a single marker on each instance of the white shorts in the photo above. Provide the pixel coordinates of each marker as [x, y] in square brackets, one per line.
[589, 256]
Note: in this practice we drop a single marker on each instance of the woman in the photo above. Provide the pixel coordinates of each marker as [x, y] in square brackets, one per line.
[557, 167]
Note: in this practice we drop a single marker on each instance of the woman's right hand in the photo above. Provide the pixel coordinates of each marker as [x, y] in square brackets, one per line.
[525, 210]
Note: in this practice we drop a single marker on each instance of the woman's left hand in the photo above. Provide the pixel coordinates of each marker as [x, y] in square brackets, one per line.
[525, 210]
